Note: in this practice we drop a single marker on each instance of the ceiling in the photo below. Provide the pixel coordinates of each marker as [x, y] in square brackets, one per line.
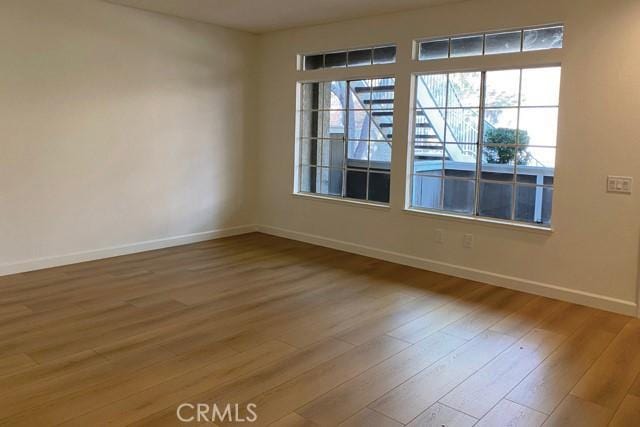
[260, 16]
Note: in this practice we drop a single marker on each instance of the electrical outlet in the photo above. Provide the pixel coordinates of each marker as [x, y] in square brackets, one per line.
[467, 242]
[619, 184]
[439, 235]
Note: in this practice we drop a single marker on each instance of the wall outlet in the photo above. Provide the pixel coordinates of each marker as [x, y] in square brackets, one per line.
[619, 184]
[467, 242]
[439, 235]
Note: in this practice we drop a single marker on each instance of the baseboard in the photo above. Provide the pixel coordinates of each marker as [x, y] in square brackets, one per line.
[524, 285]
[149, 245]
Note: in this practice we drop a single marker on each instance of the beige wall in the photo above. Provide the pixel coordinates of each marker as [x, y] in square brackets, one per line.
[592, 255]
[118, 126]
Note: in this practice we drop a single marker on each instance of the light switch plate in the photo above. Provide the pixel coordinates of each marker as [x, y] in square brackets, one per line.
[619, 184]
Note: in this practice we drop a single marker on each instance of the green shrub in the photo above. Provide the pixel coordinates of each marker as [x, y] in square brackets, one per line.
[506, 154]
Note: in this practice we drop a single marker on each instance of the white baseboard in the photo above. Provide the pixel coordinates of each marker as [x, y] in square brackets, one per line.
[524, 285]
[149, 245]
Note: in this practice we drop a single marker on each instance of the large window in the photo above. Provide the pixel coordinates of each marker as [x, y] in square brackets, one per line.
[484, 143]
[344, 139]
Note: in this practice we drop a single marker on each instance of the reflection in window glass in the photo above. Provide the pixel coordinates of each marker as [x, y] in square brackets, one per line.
[466, 46]
[502, 42]
[543, 38]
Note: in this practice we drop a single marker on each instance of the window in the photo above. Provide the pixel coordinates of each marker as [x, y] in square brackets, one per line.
[523, 40]
[484, 143]
[344, 139]
[350, 58]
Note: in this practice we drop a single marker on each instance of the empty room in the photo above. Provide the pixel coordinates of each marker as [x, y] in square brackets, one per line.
[375, 213]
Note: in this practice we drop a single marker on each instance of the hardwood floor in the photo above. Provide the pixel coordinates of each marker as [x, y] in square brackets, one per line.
[312, 336]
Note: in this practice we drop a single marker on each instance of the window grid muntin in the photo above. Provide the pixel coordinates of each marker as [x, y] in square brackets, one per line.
[324, 112]
[522, 31]
[514, 182]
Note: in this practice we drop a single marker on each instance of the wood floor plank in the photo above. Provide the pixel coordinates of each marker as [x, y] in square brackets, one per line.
[510, 414]
[577, 412]
[414, 396]
[440, 415]
[233, 383]
[15, 363]
[608, 380]
[369, 418]
[347, 399]
[550, 382]
[628, 414]
[293, 420]
[297, 392]
[488, 386]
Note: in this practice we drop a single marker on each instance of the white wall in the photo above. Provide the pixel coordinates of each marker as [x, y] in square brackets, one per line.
[117, 127]
[592, 255]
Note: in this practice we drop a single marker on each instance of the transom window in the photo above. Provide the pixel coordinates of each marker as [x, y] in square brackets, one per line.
[522, 40]
[484, 143]
[349, 58]
[344, 138]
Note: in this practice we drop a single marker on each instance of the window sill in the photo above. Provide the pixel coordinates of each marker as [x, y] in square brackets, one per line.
[483, 221]
[342, 201]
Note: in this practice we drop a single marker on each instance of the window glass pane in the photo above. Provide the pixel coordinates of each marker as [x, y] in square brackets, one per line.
[538, 126]
[356, 184]
[311, 95]
[502, 43]
[536, 165]
[384, 55]
[500, 125]
[495, 200]
[379, 187]
[308, 179]
[466, 46]
[543, 38]
[335, 60]
[427, 192]
[533, 204]
[460, 160]
[332, 153]
[359, 57]
[434, 49]
[502, 88]
[430, 125]
[337, 91]
[429, 161]
[540, 87]
[358, 154]
[498, 162]
[312, 124]
[462, 125]
[382, 93]
[382, 125]
[459, 195]
[359, 121]
[335, 121]
[309, 150]
[329, 181]
[359, 94]
[431, 91]
[313, 62]
[464, 90]
[380, 155]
